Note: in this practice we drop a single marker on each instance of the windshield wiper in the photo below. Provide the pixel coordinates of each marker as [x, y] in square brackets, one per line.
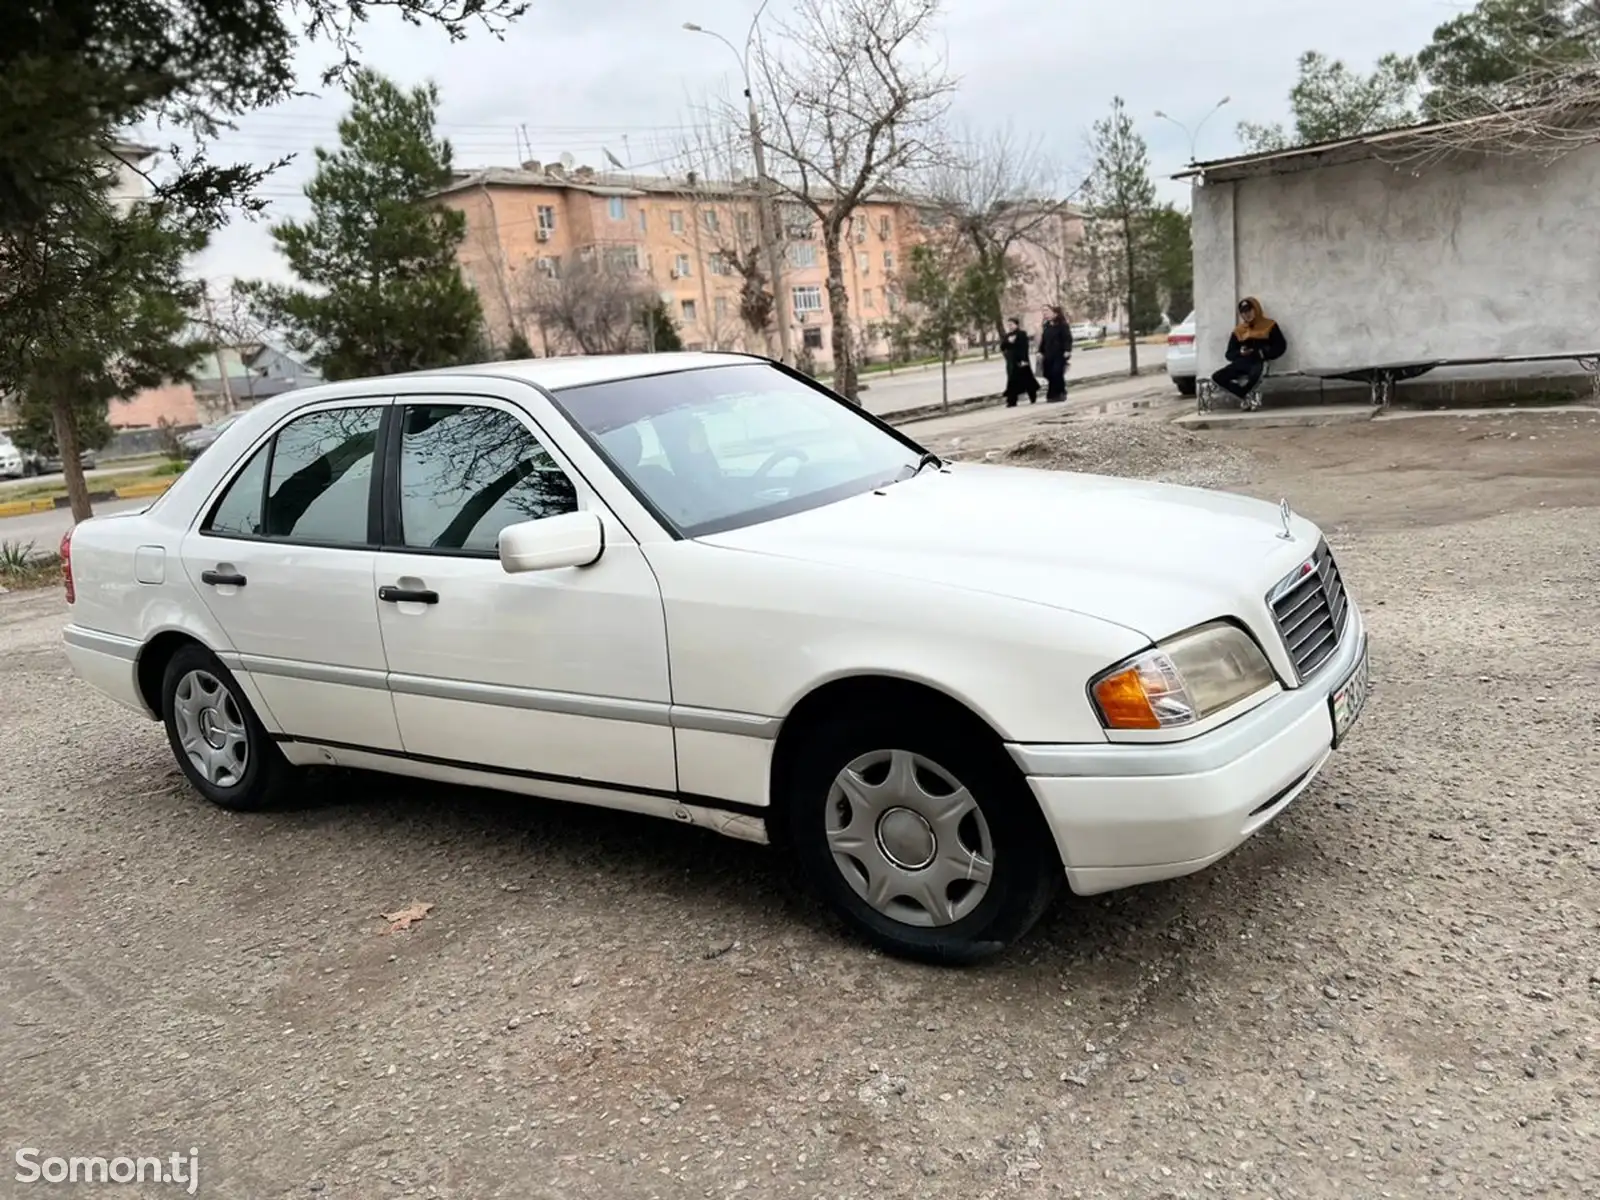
[928, 459]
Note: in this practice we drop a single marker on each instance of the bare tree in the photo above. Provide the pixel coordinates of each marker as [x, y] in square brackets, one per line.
[997, 193]
[231, 323]
[1544, 114]
[721, 231]
[591, 302]
[851, 96]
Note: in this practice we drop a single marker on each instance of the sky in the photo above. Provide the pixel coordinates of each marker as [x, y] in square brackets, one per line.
[585, 76]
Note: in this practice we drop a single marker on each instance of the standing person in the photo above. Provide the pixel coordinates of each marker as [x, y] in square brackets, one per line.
[1055, 346]
[1256, 341]
[1019, 374]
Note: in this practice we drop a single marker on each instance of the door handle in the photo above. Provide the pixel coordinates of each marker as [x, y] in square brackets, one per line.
[222, 578]
[399, 595]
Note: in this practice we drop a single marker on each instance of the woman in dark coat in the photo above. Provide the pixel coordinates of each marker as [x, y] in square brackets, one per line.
[1256, 341]
[1019, 372]
[1055, 345]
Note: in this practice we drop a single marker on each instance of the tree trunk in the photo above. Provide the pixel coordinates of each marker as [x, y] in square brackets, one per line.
[70, 448]
[944, 377]
[1127, 248]
[844, 351]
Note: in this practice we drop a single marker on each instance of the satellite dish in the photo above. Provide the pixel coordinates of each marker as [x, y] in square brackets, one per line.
[567, 160]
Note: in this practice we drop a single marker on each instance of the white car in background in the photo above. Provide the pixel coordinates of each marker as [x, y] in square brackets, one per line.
[1182, 357]
[11, 464]
[702, 587]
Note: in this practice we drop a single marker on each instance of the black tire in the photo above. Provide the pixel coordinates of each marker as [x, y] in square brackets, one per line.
[1186, 384]
[1026, 870]
[264, 774]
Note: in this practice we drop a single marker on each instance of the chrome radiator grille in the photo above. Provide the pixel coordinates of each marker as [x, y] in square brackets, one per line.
[1311, 610]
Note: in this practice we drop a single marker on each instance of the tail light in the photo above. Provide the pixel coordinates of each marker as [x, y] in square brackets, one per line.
[1180, 339]
[66, 567]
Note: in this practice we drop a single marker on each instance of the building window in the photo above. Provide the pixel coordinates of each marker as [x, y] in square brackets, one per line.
[858, 226]
[712, 221]
[615, 208]
[547, 219]
[680, 267]
[884, 228]
[812, 337]
[869, 297]
[864, 262]
[894, 300]
[622, 258]
[675, 220]
[807, 299]
[643, 224]
[888, 262]
[549, 267]
[741, 222]
[720, 265]
[719, 306]
[688, 310]
[803, 254]
[796, 222]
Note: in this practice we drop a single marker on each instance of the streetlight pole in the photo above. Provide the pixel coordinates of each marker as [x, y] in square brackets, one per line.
[1194, 137]
[766, 208]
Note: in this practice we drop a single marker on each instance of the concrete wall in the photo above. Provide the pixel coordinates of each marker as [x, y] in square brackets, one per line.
[1365, 263]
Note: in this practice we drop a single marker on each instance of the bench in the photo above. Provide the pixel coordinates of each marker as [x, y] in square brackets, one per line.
[1381, 378]
[1209, 393]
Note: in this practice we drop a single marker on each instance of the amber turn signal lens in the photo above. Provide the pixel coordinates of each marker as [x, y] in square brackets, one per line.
[1123, 702]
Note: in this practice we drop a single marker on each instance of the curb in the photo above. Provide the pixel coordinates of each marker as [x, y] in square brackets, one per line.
[136, 491]
[924, 412]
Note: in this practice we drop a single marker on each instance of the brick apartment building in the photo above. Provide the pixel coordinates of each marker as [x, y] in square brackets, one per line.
[525, 225]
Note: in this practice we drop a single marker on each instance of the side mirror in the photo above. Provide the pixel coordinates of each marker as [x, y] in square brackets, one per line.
[570, 540]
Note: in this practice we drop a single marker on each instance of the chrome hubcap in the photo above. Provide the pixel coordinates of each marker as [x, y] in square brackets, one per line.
[909, 838]
[211, 728]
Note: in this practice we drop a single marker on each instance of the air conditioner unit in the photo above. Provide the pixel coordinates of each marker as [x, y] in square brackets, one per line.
[542, 235]
[676, 274]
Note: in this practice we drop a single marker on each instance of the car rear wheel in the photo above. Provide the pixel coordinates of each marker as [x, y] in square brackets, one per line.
[219, 743]
[922, 836]
[1186, 384]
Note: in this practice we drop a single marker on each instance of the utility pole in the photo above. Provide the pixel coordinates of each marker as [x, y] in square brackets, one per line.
[766, 227]
[767, 223]
[216, 349]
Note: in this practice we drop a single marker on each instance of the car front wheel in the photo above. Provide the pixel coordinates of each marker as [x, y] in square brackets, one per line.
[219, 743]
[922, 836]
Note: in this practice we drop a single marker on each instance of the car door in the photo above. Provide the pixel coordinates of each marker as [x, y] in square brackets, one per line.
[560, 673]
[284, 559]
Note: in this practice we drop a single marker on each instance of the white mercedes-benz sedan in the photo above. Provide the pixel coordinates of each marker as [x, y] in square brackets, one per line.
[702, 587]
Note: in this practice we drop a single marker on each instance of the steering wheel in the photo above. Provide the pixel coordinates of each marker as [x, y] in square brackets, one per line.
[778, 456]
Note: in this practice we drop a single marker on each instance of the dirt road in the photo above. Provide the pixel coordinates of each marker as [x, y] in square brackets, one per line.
[1394, 990]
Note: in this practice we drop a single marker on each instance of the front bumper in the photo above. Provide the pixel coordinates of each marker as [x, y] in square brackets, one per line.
[1124, 814]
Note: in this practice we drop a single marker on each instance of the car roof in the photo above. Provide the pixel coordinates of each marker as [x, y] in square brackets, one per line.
[579, 370]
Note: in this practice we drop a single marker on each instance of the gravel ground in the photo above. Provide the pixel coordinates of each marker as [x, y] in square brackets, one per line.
[1394, 990]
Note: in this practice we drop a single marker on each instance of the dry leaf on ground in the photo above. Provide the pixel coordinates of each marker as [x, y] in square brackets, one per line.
[406, 917]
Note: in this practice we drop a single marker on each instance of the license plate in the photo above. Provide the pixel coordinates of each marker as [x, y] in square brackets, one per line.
[1350, 697]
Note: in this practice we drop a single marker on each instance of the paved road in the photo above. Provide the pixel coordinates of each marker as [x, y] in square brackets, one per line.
[45, 529]
[917, 386]
[115, 468]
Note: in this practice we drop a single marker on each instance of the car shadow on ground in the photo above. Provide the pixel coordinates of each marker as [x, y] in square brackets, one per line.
[751, 889]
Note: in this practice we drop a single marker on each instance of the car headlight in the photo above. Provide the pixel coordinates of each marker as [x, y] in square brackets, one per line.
[1183, 680]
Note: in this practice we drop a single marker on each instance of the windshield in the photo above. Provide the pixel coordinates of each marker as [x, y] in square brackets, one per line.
[723, 447]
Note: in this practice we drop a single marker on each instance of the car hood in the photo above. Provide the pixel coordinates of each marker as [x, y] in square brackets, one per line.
[1154, 558]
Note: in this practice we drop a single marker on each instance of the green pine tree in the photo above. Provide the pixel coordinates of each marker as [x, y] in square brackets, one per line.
[118, 320]
[379, 251]
[1120, 199]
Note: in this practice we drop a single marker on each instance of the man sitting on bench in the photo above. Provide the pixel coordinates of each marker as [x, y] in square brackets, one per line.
[1256, 341]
